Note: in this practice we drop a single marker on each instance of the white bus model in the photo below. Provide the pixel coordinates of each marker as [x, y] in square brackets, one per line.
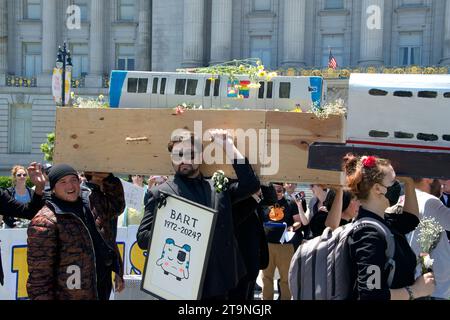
[137, 89]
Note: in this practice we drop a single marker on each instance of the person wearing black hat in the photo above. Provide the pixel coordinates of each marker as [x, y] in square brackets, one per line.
[9, 207]
[70, 252]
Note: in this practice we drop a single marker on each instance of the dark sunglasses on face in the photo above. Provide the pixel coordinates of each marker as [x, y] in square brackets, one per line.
[279, 190]
[181, 154]
[21, 175]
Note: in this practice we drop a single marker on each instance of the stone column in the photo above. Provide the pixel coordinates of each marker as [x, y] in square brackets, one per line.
[294, 33]
[3, 42]
[144, 36]
[193, 33]
[96, 35]
[221, 30]
[372, 20]
[49, 47]
[446, 56]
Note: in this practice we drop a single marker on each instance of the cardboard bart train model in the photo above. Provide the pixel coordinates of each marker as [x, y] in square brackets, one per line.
[399, 117]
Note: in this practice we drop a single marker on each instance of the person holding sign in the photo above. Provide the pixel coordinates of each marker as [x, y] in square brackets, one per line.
[225, 264]
[70, 251]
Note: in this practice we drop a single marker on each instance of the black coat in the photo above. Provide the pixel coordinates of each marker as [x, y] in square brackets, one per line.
[11, 208]
[250, 233]
[225, 266]
[10, 221]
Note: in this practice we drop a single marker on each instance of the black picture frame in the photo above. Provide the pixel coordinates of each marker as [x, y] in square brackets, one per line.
[163, 197]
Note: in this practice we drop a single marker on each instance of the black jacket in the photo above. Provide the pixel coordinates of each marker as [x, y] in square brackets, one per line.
[10, 221]
[11, 208]
[225, 266]
[249, 231]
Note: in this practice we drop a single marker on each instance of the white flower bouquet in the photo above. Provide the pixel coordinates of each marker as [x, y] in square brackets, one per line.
[220, 181]
[430, 232]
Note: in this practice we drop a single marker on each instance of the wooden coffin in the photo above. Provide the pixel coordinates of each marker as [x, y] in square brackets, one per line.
[134, 141]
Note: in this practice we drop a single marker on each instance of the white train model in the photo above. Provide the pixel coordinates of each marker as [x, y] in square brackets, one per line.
[399, 111]
[404, 118]
[137, 89]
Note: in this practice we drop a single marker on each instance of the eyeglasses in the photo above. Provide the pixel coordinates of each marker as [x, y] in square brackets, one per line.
[279, 190]
[21, 175]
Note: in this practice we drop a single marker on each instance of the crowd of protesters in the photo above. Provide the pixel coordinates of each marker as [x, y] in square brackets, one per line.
[73, 221]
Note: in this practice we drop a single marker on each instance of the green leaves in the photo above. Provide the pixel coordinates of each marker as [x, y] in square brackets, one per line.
[47, 148]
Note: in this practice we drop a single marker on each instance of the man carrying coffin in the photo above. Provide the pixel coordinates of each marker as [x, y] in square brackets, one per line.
[225, 265]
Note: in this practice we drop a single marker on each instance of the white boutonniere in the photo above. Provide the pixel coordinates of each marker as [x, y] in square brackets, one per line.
[220, 181]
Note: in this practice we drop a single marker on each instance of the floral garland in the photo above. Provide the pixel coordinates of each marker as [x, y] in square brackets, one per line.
[78, 102]
[253, 68]
[220, 181]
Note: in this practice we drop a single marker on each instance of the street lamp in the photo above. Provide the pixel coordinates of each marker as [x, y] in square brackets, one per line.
[64, 62]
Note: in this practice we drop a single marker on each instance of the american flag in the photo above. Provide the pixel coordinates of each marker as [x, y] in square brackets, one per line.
[332, 62]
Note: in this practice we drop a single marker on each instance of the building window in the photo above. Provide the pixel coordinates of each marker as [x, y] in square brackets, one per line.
[80, 60]
[406, 3]
[260, 47]
[335, 43]
[84, 9]
[20, 129]
[125, 57]
[32, 9]
[262, 5]
[410, 48]
[125, 10]
[32, 59]
[334, 4]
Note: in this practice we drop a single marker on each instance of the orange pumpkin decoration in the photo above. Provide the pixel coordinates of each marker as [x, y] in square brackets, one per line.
[276, 213]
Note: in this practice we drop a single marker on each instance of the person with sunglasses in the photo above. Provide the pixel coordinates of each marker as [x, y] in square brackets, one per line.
[9, 207]
[21, 193]
[225, 265]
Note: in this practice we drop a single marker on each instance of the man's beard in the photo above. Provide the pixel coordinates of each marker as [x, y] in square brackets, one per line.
[187, 171]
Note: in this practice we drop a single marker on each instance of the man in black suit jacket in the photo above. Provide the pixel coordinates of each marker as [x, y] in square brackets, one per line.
[251, 238]
[445, 197]
[225, 265]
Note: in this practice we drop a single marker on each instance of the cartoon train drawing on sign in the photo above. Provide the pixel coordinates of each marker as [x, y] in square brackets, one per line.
[175, 260]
